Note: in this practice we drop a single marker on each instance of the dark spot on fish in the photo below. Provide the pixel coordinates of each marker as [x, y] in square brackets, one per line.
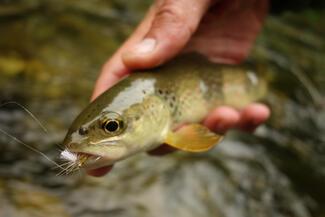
[160, 91]
[83, 131]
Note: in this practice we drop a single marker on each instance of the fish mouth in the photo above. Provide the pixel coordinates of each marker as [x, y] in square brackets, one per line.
[88, 161]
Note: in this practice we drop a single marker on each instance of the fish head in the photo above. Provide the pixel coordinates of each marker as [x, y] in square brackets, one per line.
[97, 142]
[111, 136]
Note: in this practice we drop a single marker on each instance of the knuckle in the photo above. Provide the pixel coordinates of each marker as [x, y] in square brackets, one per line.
[173, 18]
[173, 14]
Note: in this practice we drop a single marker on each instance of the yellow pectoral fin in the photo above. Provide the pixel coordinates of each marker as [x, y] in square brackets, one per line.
[193, 138]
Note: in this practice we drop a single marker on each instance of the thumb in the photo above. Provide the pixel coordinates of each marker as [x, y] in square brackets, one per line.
[173, 24]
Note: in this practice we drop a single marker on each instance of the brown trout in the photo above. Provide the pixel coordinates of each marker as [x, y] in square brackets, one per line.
[143, 110]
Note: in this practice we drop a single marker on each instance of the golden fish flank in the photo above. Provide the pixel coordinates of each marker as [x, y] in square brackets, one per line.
[142, 111]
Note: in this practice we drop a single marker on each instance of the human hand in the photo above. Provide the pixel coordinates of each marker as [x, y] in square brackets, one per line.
[224, 31]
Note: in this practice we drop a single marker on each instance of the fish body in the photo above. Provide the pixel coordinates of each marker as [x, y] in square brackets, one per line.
[143, 110]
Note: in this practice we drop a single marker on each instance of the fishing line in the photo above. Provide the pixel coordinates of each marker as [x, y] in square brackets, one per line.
[28, 112]
[31, 148]
[64, 170]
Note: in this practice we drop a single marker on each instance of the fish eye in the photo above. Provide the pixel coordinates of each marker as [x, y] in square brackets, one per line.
[111, 126]
[83, 131]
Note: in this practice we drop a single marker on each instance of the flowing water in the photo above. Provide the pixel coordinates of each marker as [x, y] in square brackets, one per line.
[278, 171]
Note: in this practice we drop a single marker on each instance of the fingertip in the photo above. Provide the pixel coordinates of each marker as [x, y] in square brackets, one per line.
[252, 116]
[96, 93]
[222, 119]
[99, 171]
[112, 71]
[98, 90]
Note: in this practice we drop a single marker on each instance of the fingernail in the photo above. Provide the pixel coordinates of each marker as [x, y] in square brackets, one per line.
[145, 46]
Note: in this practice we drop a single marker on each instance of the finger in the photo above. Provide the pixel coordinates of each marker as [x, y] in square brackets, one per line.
[222, 119]
[111, 72]
[230, 28]
[114, 69]
[162, 150]
[99, 171]
[252, 116]
[173, 25]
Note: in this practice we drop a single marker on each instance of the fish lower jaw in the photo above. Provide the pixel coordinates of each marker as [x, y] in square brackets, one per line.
[95, 163]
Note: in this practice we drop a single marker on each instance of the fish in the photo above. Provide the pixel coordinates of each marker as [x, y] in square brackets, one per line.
[165, 104]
